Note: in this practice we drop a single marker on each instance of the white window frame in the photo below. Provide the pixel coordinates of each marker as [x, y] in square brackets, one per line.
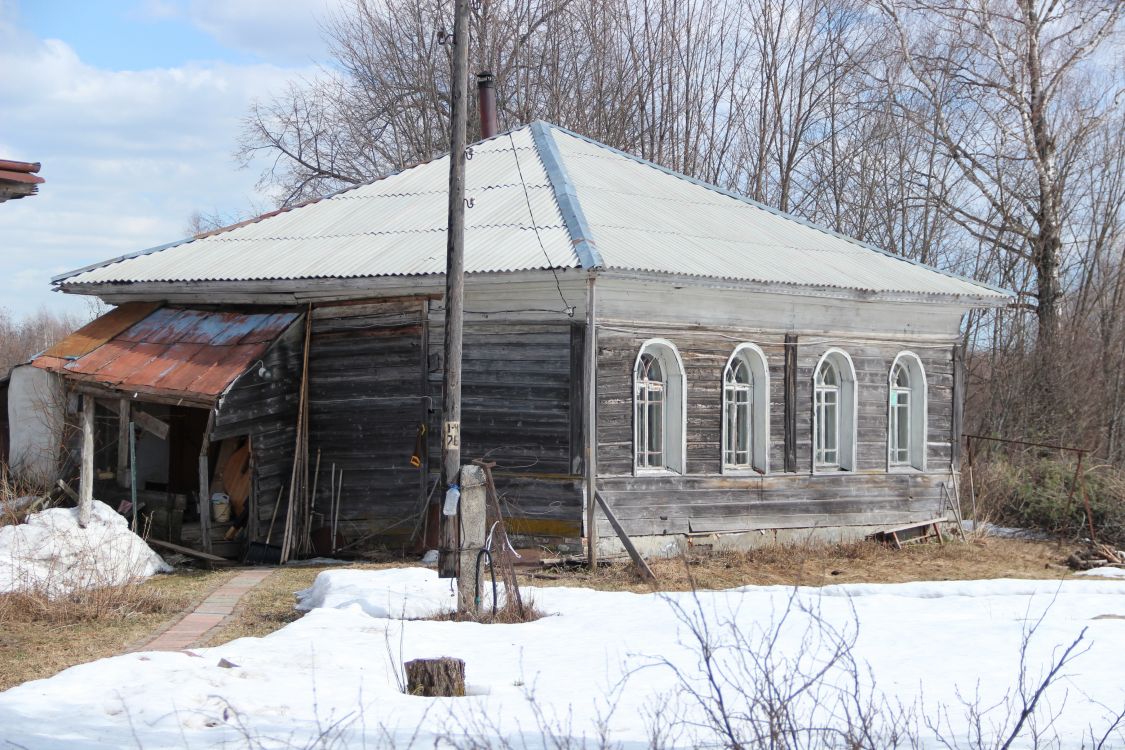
[674, 411]
[918, 410]
[847, 409]
[755, 360]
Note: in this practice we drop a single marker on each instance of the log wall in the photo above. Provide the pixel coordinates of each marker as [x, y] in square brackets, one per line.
[706, 499]
[265, 408]
[367, 398]
[522, 408]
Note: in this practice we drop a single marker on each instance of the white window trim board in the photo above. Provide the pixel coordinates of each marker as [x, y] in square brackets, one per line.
[847, 376]
[919, 414]
[676, 389]
[759, 412]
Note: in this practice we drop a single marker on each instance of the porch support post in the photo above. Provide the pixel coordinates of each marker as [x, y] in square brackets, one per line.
[123, 443]
[205, 486]
[86, 475]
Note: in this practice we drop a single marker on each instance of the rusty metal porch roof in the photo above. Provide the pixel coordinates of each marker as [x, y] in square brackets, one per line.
[192, 355]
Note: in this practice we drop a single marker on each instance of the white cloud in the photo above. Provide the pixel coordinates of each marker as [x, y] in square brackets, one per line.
[281, 31]
[127, 156]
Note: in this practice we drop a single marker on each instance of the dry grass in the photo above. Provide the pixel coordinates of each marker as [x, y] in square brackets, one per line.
[818, 565]
[269, 605]
[39, 637]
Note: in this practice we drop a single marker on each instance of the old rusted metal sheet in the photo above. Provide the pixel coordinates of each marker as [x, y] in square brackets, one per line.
[194, 354]
[97, 332]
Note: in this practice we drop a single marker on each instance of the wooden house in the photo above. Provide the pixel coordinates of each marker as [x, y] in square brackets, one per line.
[712, 367]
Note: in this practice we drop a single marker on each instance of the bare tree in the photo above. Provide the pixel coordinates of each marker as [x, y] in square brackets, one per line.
[1011, 93]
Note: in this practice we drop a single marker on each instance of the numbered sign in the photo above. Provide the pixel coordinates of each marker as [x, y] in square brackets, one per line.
[451, 435]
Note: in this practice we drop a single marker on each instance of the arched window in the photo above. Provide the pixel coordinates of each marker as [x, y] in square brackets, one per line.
[746, 389]
[906, 419]
[658, 408]
[834, 404]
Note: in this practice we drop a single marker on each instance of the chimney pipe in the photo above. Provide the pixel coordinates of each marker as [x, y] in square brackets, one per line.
[486, 98]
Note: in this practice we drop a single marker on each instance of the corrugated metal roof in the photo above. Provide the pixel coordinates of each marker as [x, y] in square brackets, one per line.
[189, 354]
[622, 212]
[100, 330]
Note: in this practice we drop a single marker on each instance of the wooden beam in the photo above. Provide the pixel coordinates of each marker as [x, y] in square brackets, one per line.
[205, 486]
[642, 567]
[590, 423]
[86, 476]
[189, 552]
[144, 420]
[958, 427]
[790, 402]
[123, 443]
[138, 394]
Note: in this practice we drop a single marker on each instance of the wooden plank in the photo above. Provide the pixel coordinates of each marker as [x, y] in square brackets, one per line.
[123, 443]
[590, 421]
[86, 472]
[198, 554]
[957, 422]
[144, 420]
[205, 485]
[638, 561]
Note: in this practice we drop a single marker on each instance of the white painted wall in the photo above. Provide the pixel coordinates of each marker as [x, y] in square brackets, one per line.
[36, 417]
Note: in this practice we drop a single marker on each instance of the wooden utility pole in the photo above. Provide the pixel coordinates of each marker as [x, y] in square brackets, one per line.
[454, 294]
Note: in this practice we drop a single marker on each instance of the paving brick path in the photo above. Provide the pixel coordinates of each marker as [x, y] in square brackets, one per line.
[194, 626]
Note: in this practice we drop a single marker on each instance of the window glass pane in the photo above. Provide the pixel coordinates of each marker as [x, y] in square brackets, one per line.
[902, 433]
[742, 372]
[901, 377]
[744, 432]
[831, 429]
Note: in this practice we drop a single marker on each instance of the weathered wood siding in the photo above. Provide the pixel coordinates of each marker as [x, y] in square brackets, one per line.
[704, 499]
[367, 398]
[266, 410]
[521, 407]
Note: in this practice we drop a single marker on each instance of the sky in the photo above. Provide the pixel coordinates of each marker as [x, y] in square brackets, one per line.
[133, 107]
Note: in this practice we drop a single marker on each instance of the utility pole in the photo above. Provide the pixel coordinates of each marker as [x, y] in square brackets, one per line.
[454, 301]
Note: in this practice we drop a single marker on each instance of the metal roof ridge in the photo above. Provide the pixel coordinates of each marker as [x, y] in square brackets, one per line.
[776, 211]
[566, 196]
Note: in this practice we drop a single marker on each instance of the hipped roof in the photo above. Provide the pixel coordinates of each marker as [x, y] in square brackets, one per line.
[539, 197]
[189, 355]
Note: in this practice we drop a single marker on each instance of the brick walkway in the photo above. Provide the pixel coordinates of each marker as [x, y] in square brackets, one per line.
[216, 608]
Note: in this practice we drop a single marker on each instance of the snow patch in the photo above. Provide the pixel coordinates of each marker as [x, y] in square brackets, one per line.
[403, 594]
[53, 554]
[925, 644]
[1104, 572]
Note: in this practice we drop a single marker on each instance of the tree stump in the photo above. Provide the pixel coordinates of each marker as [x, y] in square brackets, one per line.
[436, 678]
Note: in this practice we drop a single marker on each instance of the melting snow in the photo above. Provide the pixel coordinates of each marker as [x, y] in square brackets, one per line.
[52, 553]
[598, 657]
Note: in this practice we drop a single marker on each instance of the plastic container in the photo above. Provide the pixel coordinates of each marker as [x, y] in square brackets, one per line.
[220, 508]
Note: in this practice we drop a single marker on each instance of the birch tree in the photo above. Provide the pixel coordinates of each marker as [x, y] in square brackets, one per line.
[1010, 92]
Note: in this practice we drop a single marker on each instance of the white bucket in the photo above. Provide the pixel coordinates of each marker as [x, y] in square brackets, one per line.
[220, 507]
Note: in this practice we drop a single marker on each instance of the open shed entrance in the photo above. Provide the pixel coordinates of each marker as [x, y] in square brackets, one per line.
[148, 387]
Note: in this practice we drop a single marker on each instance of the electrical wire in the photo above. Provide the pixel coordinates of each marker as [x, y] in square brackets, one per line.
[535, 227]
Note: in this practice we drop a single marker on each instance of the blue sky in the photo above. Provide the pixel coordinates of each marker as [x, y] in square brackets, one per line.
[133, 107]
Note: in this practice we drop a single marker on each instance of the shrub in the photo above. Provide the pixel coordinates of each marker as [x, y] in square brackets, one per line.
[1034, 492]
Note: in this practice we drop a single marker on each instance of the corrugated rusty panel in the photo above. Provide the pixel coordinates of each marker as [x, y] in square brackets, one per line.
[239, 358]
[95, 333]
[114, 361]
[195, 354]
